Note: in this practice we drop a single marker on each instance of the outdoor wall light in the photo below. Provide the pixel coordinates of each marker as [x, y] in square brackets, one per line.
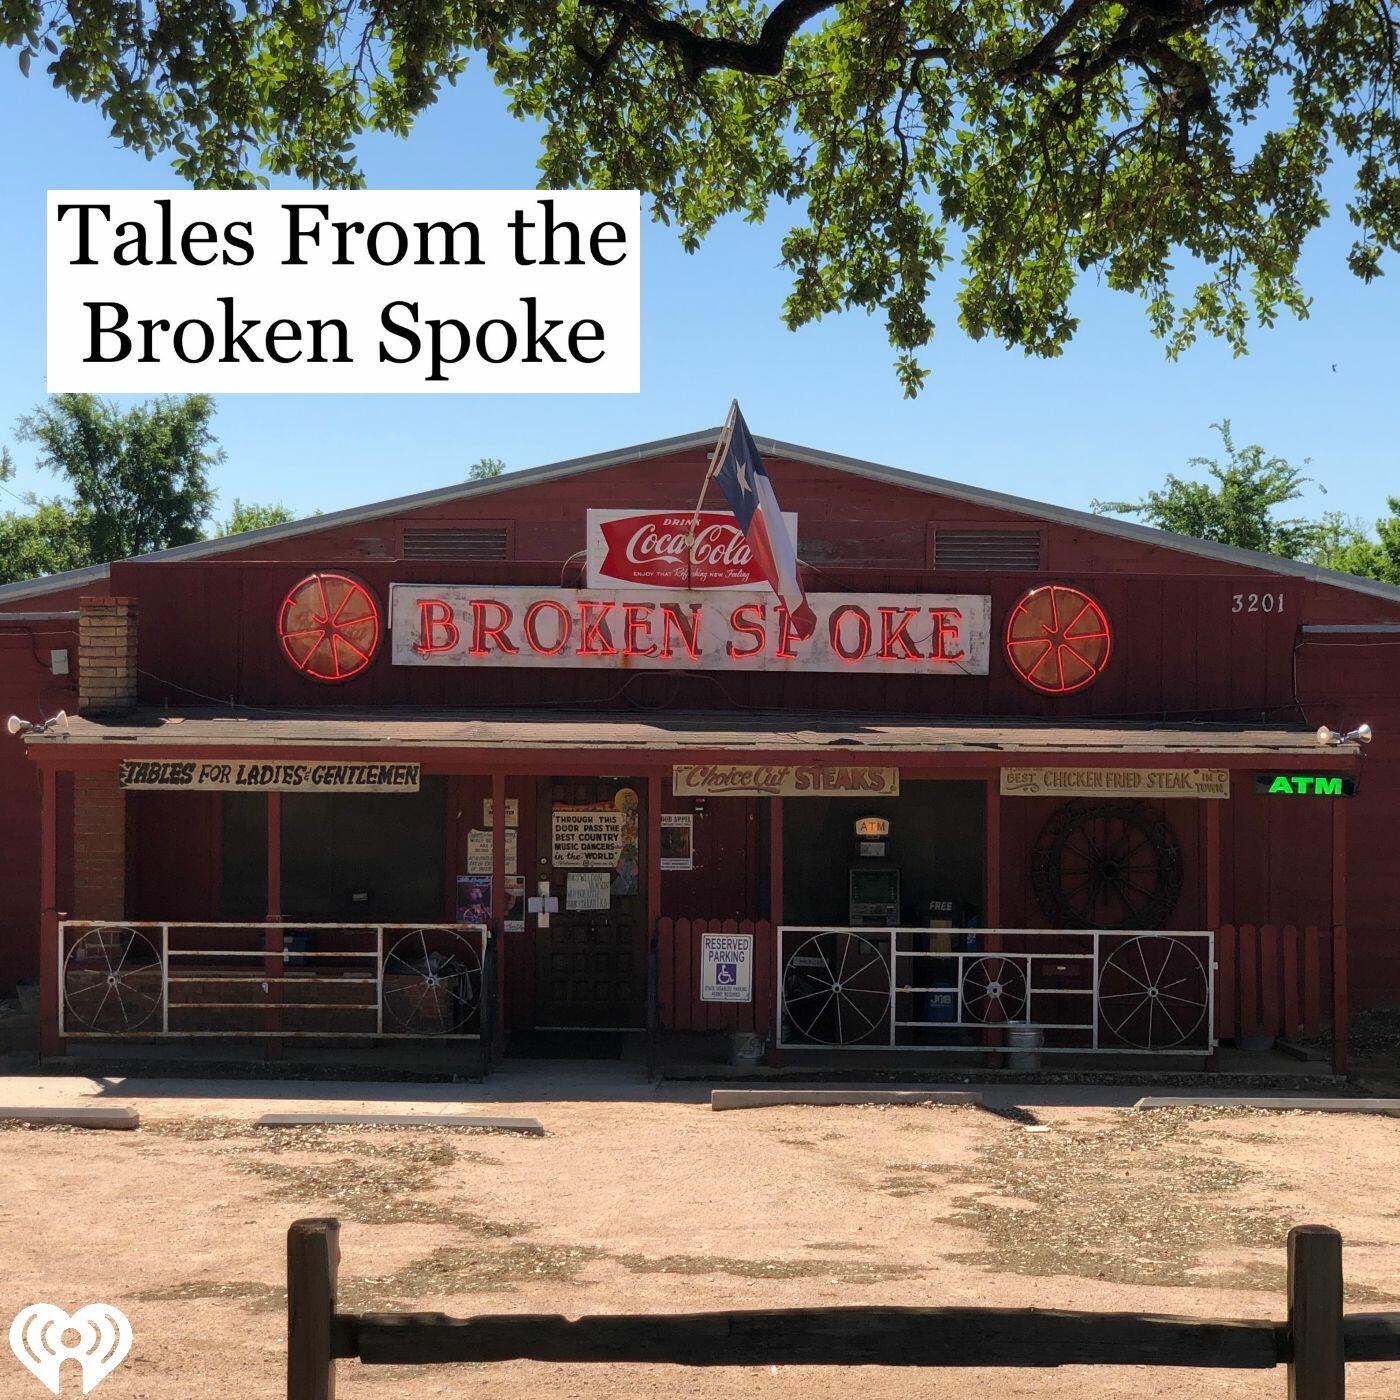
[1330, 739]
[18, 726]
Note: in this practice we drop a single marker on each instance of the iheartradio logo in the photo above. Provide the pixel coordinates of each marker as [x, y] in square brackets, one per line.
[101, 1338]
[648, 549]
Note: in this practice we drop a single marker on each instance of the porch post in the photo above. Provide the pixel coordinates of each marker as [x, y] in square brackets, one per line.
[654, 799]
[1212, 901]
[498, 906]
[1212, 871]
[49, 989]
[652, 961]
[274, 964]
[1339, 936]
[274, 860]
[775, 865]
[994, 1040]
[991, 877]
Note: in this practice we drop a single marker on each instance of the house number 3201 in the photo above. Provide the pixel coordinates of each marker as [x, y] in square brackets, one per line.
[1257, 602]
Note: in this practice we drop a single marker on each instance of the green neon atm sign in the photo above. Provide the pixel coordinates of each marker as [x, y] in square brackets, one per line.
[1304, 785]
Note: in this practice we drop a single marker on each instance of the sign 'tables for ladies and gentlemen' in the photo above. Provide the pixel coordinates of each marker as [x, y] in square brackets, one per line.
[927, 634]
[223, 775]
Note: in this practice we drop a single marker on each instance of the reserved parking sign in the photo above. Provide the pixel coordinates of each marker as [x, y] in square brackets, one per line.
[726, 967]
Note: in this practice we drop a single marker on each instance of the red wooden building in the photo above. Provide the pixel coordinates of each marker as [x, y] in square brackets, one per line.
[507, 757]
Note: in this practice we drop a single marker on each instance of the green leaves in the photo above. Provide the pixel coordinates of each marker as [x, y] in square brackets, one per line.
[1175, 152]
[251, 515]
[1239, 509]
[139, 477]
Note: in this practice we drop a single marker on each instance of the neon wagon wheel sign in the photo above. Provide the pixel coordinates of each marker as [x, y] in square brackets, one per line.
[328, 626]
[1058, 639]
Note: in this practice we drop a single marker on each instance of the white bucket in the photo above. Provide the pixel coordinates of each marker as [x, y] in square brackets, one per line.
[1022, 1042]
[746, 1048]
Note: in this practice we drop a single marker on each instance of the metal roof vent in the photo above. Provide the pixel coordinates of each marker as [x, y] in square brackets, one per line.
[452, 542]
[971, 551]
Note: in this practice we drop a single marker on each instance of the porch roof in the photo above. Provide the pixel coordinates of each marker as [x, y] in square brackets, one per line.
[812, 734]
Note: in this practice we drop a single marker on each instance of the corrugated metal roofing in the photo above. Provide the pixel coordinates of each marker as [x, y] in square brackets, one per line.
[817, 733]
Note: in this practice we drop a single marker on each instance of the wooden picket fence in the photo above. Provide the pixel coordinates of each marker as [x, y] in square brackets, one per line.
[678, 974]
[1314, 1343]
[1273, 981]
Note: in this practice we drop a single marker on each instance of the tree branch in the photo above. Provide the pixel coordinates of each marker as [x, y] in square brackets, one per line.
[1038, 56]
[699, 52]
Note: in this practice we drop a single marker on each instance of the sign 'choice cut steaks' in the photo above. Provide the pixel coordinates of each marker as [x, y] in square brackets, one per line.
[933, 634]
[648, 549]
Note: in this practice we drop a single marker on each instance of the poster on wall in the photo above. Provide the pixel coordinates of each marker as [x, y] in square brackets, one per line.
[587, 890]
[726, 967]
[512, 812]
[474, 899]
[677, 841]
[479, 852]
[515, 904]
[586, 838]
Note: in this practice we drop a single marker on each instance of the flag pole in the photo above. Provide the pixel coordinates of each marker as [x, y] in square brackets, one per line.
[721, 447]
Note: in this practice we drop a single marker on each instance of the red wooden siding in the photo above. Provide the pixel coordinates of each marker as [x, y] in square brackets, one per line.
[208, 630]
[678, 977]
[1181, 651]
[27, 688]
[1272, 981]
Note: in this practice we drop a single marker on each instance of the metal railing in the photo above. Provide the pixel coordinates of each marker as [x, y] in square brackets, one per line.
[331, 980]
[1041, 991]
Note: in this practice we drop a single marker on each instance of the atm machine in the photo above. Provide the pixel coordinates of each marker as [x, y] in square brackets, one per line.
[873, 877]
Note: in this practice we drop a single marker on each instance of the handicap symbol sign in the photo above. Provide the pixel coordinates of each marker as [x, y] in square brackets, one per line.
[727, 974]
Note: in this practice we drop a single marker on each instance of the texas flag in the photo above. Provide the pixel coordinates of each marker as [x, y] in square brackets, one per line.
[749, 492]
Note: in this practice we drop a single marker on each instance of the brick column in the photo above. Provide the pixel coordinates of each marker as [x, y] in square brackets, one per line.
[99, 847]
[106, 655]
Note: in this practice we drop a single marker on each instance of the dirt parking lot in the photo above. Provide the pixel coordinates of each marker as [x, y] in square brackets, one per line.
[649, 1204]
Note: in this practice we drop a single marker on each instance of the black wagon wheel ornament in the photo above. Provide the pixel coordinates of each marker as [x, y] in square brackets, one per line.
[432, 983]
[994, 990]
[1113, 865]
[1153, 993]
[836, 989]
[112, 981]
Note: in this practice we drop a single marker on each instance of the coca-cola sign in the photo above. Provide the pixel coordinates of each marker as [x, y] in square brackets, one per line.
[648, 549]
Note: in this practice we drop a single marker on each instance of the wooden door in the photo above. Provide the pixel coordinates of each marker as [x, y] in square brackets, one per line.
[591, 962]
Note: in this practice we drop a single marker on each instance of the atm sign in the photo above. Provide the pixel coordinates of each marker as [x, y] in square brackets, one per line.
[1303, 785]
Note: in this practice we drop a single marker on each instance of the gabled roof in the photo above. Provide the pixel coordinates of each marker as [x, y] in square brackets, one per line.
[601, 461]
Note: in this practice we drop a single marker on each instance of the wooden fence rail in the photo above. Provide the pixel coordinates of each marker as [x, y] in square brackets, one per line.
[1314, 1343]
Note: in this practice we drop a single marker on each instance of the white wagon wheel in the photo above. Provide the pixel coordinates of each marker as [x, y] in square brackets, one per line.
[1153, 992]
[432, 982]
[994, 990]
[112, 980]
[836, 989]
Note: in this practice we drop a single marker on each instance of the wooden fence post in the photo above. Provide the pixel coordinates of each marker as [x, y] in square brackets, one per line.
[1317, 1362]
[313, 1258]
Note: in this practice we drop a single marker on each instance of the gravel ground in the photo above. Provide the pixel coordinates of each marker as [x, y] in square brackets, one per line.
[631, 1204]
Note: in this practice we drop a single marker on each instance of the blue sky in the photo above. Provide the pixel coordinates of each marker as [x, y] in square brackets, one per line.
[1109, 418]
